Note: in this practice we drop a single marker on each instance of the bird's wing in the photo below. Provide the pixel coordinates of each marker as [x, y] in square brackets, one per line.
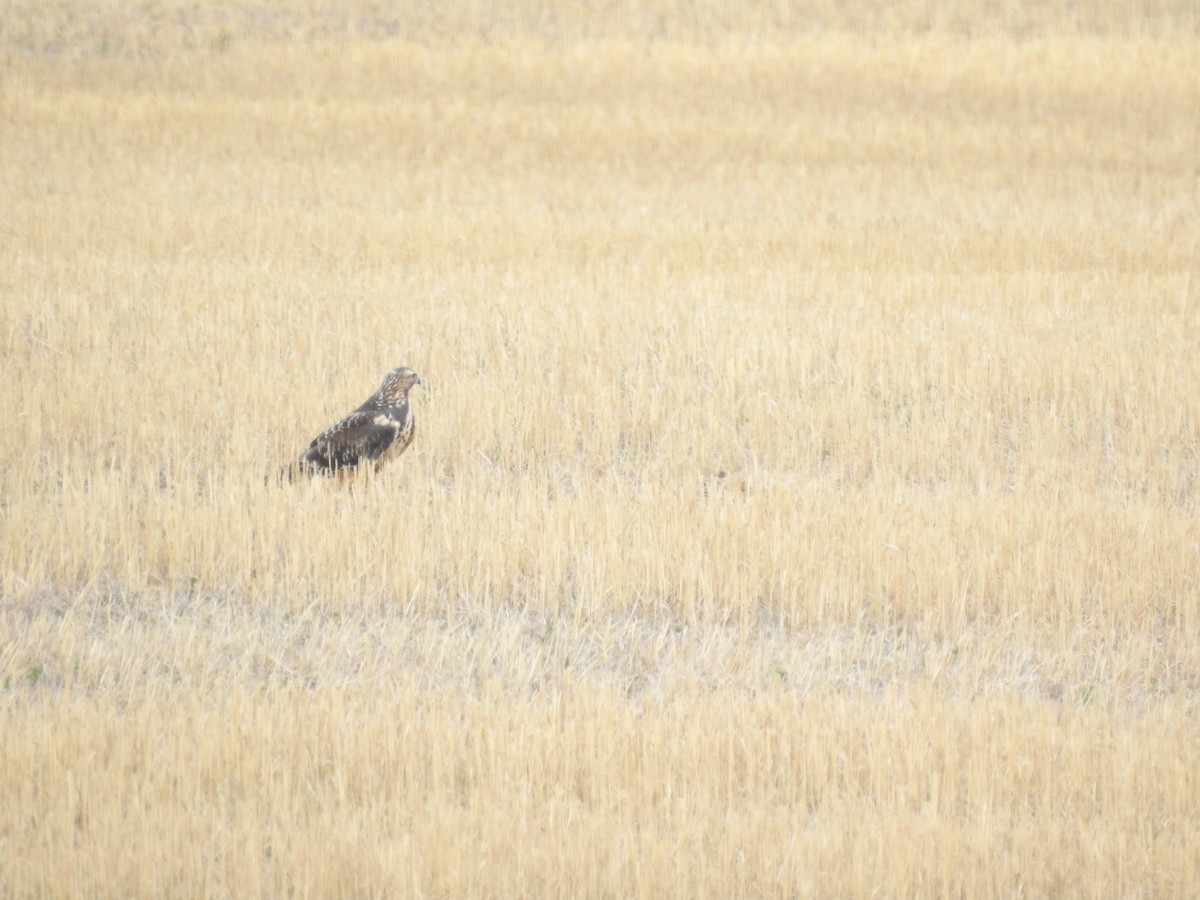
[359, 437]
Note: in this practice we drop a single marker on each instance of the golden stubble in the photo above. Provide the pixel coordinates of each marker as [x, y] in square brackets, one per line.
[803, 497]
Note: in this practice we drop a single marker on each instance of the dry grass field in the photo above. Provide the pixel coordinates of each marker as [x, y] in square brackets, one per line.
[806, 492]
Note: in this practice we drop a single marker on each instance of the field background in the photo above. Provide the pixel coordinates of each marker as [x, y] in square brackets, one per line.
[804, 499]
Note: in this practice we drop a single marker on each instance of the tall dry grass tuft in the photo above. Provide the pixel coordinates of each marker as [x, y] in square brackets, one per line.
[803, 501]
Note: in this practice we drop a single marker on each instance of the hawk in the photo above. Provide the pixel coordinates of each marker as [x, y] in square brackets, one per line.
[379, 430]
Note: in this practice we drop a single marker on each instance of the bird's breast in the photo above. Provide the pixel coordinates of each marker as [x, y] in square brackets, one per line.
[404, 427]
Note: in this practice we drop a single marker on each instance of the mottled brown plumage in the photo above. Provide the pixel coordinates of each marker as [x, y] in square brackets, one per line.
[378, 431]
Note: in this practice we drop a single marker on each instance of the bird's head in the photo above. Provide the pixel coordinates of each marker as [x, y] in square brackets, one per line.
[398, 383]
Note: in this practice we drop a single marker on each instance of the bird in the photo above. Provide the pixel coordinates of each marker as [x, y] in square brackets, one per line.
[377, 432]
